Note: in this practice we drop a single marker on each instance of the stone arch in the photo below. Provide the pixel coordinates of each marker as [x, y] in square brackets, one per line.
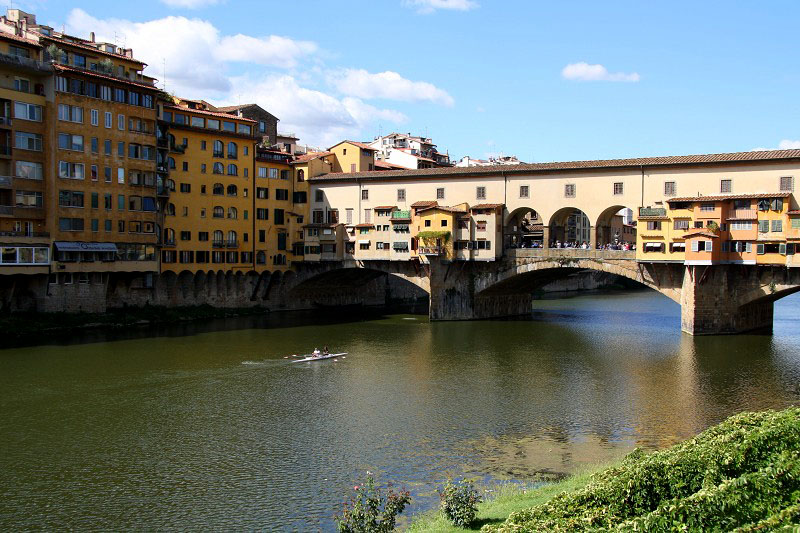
[199, 283]
[274, 280]
[167, 281]
[220, 284]
[524, 277]
[570, 224]
[250, 285]
[211, 285]
[610, 226]
[523, 225]
[230, 290]
[238, 284]
[185, 285]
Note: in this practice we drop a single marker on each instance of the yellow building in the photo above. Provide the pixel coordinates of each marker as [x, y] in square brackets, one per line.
[352, 156]
[275, 216]
[436, 226]
[208, 222]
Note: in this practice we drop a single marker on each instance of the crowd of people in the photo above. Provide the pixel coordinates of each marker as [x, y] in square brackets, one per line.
[617, 245]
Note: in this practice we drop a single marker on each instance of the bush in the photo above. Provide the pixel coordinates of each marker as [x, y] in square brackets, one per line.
[459, 502]
[369, 511]
[743, 473]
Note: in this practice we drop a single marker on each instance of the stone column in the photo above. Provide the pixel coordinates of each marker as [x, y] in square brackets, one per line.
[710, 302]
[546, 237]
[592, 237]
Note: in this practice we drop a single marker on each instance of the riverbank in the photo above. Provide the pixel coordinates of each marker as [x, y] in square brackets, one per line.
[22, 328]
[743, 473]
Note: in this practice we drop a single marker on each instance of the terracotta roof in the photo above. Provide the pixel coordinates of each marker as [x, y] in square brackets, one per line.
[700, 233]
[443, 208]
[94, 74]
[88, 47]
[210, 113]
[635, 163]
[17, 38]
[724, 197]
[655, 217]
[229, 108]
[424, 203]
[355, 143]
[384, 207]
[309, 156]
[328, 225]
[793, 212]
[387, 166]
[486, 206]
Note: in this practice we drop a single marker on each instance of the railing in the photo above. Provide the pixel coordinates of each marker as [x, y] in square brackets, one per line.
[217, 244]
[652, 212]
[431, 250]
[163, 142]
[5, 121]
[6, 209]
[25, 62]
[569, 253]
[28, 234]
[178, 148]
[232, 244]
[5, 181]
[170, 243]
[5, 150]
[28, 211]
[401, 215]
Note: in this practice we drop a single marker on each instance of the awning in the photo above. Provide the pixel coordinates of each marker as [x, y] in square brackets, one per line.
[653, 245]
[676, 245]
[65, 246]
[363, 241]
[400, 245]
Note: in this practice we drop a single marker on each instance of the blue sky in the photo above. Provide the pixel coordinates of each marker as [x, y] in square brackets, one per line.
[546, 81]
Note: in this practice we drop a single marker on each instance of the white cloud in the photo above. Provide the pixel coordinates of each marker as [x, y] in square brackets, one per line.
[786, 144]
[190, 4]
[388, 85]
[586, 72]
[194, 50]
[316, 117]
[480, 109]
[429, 6]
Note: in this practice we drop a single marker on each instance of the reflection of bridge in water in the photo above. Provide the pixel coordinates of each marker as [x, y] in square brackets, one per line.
[714, 299]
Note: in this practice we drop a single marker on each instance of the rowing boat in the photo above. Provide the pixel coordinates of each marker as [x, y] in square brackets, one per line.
[320, 358]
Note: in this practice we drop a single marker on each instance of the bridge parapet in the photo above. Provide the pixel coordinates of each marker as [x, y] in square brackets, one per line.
[569, 253]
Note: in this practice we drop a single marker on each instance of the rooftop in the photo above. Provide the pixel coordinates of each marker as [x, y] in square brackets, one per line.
[723, 197]
[633, 163]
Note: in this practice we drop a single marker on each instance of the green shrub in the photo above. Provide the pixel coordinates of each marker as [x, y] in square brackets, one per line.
[369, 511]
[738, 474]
[459, 502]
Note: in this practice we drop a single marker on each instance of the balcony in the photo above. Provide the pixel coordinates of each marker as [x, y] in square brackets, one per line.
[5, 122]
[25, 211]
[5, 182]
[743, 214]
[232, 244]
[7, 210]
[25, 237]
[218, 244]
[178, 148]
[5, 150]
[401, 215]
[25, 63]
[431, 250]
[168, 244]
[163, 142]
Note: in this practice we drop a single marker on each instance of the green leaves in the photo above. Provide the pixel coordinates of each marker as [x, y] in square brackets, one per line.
[370, 511]
[459, 502]
[743, 473]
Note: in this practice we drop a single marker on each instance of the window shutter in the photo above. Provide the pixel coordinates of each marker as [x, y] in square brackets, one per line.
[695, 246]
[709, 246]
[760, 249]
[749, 247]
[763, 226]
[782, 249]
[790, 249]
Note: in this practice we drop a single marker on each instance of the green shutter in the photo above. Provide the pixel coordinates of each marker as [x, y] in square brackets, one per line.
[760, 249]
[782, 249]
[763, 226]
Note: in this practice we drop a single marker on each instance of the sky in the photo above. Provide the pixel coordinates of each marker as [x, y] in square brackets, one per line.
[545, 81]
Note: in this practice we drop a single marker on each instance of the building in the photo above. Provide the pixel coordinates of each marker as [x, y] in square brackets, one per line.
[208, 222]
[407, 151]
[276, 218]
[360, 158]
[467, 161]
[266, 123]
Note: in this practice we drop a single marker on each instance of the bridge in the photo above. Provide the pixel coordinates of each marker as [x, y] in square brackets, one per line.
[718, 299]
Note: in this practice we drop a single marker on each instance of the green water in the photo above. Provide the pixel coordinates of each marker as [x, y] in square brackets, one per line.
[207, 426]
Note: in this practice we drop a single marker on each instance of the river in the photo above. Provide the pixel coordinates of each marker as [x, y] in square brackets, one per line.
[207, 426]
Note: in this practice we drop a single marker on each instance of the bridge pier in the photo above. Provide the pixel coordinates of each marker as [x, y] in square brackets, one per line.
[712, 301]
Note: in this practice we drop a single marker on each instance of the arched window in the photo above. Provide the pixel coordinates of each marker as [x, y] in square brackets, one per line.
[171, 140]
[233, 170]
[171, 163]
[169, 236]
[261, 258]
[218, 168]
[232, 190]
[218, 236]
[218, 189]
[219, 211]
[231, 237]
[218, 149]
[301, 175]
[232, 212]
[232, 150]
[170, 185]
[170, 210]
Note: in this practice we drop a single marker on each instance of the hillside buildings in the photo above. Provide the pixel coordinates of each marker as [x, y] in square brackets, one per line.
[403, 150]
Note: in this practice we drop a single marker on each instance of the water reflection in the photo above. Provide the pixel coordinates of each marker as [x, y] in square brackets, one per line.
[175, 432]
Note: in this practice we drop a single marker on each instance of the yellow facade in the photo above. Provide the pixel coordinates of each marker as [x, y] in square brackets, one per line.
[209, 219]
[351, 156]
[275, 218]
[435, 230]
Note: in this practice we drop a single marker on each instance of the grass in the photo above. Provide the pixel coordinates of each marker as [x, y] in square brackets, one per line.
[505, 500]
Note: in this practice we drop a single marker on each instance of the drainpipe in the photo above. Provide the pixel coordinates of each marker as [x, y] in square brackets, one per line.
[641, 203]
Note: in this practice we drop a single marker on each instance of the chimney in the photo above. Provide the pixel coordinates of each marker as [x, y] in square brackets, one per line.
[91, 36]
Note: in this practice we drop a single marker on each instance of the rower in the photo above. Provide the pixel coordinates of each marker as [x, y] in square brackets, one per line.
[325, 351]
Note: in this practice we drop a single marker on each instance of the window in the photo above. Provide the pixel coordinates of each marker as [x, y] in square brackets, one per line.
[121, 122]
[669, 188]
[741, 226]
[218, 212]
[763, 226]
[94, 172]
[428, 223]
[70, 113]
[725, 186]
[618, 187]
[262, 214]
[70, 198]
[707, 207]
[67, 141]
[23, 84]
[776, 204]
[95, 143]
[198, 122]
[680, 224]
[186, 187]
[70, 224]
[273, 173]
[70, 170]
[233, 170]
[301, 175]
[28, 141]
[32, 199]
[25, 111]
[367, 216]
[787, 184]
[232, 150]
[218, 149]
[218, 169]
[524, 191]
[262, 193]
[229, 126]
[401, 195]
[653, 225]
[218, 189]
[29, 170]
[365, 194]
[569, 190]
[777, 225]
[233, 190]
[107, 174]
[279, 219]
